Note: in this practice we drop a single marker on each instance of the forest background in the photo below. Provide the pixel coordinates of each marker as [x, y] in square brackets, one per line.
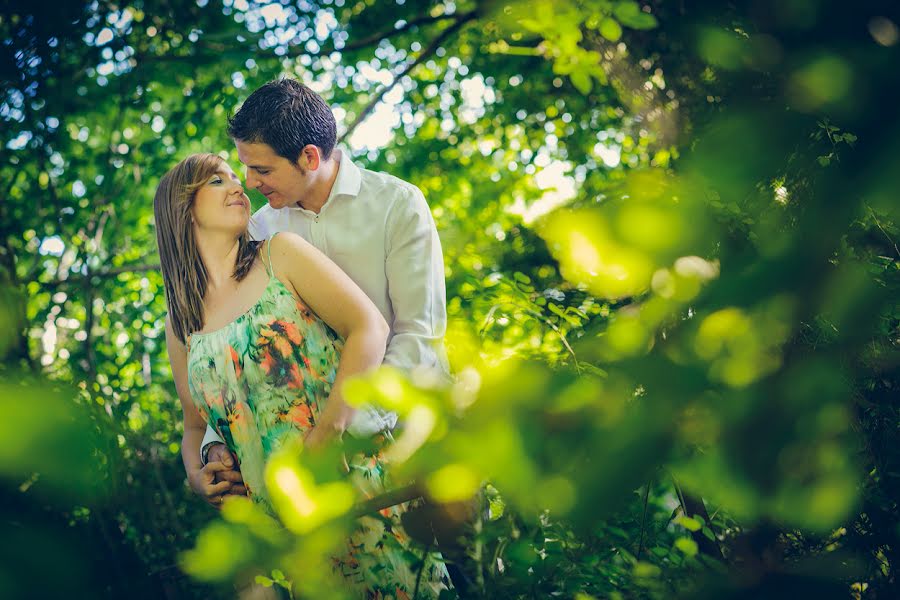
[670, 234]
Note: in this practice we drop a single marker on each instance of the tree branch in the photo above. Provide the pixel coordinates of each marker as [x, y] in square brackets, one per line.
[387, 500]
[383, 35]
[88, 344]
[423, 56]
[104, 274]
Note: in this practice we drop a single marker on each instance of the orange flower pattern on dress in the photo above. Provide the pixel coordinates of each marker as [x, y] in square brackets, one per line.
[266, 376]
[300, 415]
[235, 361]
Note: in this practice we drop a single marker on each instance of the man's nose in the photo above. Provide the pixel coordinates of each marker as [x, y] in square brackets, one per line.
[252, 183]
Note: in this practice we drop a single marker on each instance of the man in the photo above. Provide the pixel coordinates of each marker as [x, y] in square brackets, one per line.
[376, 227]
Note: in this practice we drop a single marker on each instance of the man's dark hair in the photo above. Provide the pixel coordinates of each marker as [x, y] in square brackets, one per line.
[286, 115]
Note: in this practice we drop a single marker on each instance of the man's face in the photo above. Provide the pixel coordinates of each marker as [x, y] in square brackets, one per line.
[282, 182]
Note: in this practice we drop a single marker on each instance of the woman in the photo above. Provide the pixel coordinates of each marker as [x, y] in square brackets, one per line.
[261, 336]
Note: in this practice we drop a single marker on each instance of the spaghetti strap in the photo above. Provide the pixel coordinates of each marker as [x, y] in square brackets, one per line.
[269, 268]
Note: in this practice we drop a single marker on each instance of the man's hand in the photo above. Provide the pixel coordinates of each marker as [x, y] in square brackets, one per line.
[219, 478]
[221, 453]
[203, 482]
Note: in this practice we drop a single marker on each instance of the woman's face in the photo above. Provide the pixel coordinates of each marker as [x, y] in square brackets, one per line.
[220, 204]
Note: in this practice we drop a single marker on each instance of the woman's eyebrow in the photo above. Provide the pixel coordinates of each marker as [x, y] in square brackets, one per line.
[224, 173]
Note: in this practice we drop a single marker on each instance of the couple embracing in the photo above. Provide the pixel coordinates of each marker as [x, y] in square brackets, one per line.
[268, 315]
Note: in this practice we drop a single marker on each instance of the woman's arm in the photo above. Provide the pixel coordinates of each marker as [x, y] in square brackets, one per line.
[332, 295]
[202, 478]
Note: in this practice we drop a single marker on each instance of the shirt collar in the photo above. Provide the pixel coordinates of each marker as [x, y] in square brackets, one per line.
[347, 183]
[349, 178]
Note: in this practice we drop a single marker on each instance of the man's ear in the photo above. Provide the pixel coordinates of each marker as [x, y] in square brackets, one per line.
[310, 158]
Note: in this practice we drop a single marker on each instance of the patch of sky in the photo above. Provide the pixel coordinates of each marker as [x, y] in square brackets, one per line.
[557, 186]
[52, 246]
[20, 141]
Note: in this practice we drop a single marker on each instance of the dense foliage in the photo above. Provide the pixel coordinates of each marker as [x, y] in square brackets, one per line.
[670, 234]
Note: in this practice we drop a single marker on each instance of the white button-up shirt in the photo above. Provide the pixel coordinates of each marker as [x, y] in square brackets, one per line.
[380, 231]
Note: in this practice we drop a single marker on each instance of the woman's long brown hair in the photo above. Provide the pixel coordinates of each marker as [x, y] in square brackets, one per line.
[184, 275]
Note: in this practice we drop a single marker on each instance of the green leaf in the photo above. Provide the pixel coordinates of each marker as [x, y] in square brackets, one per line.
[625, 9]
[532, 25]
[581, 81]
[610, 29]
[687, 546]
[576, 312]
[561, 67]
[631, 15]
[522, 277]
[264, 581]
[645, 569]
[642, 21]
[618, 531]
[688, 523]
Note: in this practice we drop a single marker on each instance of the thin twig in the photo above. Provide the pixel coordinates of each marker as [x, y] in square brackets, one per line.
[501, 546]
[540, 318]
[104, 274]
[88, 345]
[421, 570]
[386, 500]
[383, 35]
[878, 225]
[423, 56]
[644, 519]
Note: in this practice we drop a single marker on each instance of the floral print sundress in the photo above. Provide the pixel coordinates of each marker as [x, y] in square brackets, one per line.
[263, 379]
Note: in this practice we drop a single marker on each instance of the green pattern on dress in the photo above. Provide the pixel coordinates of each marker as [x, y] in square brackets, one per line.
[262, 380]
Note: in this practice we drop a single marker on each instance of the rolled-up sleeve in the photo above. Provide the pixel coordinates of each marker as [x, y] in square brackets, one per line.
[414, 266]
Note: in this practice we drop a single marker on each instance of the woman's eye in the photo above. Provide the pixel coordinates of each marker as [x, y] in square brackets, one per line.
[216, 180]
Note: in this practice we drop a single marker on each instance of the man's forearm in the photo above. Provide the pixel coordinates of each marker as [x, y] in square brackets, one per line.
[209, 438]
[415, 273]
[408, 351]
